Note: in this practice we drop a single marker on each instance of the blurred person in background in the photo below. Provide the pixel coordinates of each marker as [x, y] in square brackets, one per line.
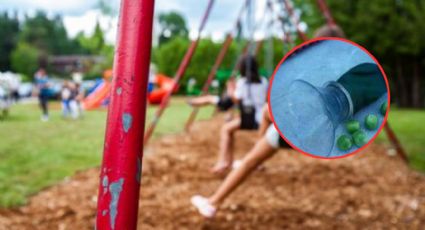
[77, 94]
[66, 98]
[15, 82]
[79, 99]
[41, 81]
[73, 103]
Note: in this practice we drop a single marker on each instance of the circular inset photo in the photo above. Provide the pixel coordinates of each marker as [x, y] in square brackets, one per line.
[329, 98]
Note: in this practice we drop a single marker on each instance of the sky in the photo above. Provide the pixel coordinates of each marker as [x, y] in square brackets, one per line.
[82, 15]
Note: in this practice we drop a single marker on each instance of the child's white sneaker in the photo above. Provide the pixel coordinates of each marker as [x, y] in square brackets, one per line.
[44, 118]
[203, 205]
[236, 164]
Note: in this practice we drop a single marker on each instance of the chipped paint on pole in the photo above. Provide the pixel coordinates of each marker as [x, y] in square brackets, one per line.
[123, 150]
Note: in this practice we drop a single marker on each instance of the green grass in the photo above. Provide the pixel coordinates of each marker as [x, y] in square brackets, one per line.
[409, 126]
[34, 155]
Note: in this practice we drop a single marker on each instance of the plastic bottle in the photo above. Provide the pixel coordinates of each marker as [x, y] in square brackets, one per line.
[310, 114]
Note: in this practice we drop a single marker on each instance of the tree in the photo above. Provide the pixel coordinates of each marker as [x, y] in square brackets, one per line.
[93, 44]
[168, 56]
[48, 35]
[8, 39]
[172, 25]
[392, 30]
[25, 59]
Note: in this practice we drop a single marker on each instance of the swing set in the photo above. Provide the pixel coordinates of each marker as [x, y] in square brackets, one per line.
[123, 148]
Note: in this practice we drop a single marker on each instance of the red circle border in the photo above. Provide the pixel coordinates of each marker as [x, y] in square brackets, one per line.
[327, 39]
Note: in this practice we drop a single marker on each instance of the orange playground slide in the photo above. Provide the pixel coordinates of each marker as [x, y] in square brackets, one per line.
[165, 84]
[95, 99]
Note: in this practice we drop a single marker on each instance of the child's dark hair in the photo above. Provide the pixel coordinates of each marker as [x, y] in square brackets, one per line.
[249, 68]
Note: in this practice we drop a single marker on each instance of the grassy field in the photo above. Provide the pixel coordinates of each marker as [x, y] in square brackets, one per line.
[34, 154]
[410, 129]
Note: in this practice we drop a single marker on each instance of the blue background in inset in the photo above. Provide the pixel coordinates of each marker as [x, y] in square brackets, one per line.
[317, 64]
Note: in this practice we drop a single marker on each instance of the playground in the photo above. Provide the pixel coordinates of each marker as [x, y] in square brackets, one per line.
[161, 131]
[370, 188]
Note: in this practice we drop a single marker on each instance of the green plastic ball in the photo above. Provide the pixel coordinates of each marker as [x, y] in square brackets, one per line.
[352, 126]
[383, 108]
[359, 138]
[371, 121]
[344, 142]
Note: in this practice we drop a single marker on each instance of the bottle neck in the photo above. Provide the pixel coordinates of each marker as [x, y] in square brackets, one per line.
[338, 102]
[364, 83]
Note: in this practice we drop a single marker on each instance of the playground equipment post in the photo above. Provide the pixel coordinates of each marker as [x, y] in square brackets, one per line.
[120, 174]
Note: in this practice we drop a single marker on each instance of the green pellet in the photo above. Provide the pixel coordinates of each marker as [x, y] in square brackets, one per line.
[371, 121]
[344, 143]
[352, 126]
[359, 138]
[383, 108]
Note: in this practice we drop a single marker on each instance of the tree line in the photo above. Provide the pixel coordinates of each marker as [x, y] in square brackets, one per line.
[27, 44]
[392, 30]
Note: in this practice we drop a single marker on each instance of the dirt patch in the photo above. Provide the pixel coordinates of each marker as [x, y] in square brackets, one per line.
[368, 191]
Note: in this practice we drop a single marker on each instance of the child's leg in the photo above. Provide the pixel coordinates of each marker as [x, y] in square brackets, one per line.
[261, 152]
[64, 109]
[204, 100]
[265, 121]
[207, 206]
[225, 156]
[68, 107]
[73, 109]
[44, 105]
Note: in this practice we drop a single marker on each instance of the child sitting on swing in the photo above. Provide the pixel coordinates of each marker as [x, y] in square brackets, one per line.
[223, 102]
[265, 148]
[250, 95]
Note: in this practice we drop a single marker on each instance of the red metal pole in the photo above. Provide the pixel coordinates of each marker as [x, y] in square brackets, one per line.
[219, 59]
[247, 47]
[180, 72]
[290, 10]
[123, 151]
[211, 76]
[258, 47]
[326, 12]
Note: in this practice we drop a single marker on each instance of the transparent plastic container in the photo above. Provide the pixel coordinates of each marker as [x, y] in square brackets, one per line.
[310, 114]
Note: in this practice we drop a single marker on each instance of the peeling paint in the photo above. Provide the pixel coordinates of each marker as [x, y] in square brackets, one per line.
[105, 183]
[119, 90]
[127, 119]
[104, 212]
[115, 188]
[139, 170]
